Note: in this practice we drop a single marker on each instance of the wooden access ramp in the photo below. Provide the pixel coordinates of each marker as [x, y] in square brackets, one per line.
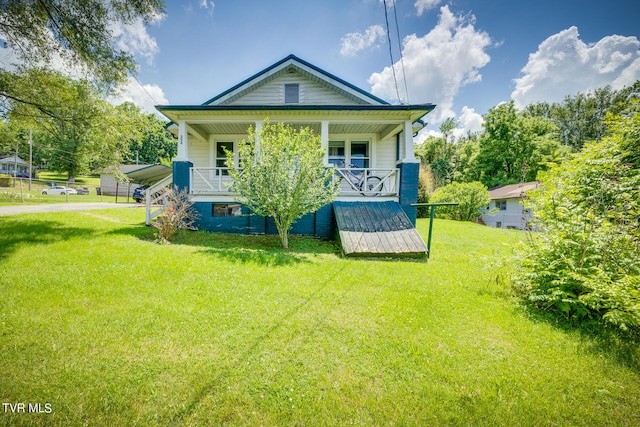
[372, 229]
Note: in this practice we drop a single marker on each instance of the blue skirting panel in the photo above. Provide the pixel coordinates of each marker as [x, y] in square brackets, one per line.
[242, 221]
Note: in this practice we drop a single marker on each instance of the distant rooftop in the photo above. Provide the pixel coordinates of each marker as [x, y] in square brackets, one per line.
[512, 191]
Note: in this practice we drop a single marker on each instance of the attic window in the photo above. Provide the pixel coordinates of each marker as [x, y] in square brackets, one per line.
[292, 93]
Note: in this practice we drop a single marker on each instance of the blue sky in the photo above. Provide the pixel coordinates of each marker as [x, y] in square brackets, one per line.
[464, 55]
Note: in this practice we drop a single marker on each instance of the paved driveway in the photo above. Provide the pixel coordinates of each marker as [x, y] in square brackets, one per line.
[63, 207]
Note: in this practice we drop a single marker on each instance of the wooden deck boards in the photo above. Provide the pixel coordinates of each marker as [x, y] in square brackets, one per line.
[377, 229]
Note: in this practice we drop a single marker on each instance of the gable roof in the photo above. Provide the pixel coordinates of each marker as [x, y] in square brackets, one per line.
[12, 160]
[512, 191]
[293, 63]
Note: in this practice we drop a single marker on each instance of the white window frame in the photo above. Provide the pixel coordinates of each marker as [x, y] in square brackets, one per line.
[213, 150]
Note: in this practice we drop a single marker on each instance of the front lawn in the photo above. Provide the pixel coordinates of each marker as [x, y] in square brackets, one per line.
[108, 328]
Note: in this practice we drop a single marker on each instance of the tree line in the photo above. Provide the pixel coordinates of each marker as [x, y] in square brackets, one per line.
[514, 146]
[73, 128]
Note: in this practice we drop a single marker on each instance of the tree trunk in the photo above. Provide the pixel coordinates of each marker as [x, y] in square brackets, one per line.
[284, 238]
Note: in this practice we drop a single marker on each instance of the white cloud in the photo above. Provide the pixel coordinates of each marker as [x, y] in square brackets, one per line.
[353, 43]
[144, 96]
[135, 39]
[437, 64]
[424, 5]
[565, 65]
[470, 120]
[207, 5]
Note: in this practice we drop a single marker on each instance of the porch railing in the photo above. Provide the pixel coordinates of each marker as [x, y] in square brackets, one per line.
[210, 181]
[155, 198]
[371, 182]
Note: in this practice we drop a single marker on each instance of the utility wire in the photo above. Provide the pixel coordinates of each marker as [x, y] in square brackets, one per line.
[404, 76]
[393, 69]
[145, 90]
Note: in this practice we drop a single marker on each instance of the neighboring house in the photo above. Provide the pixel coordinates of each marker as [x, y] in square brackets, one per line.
[506, 209]
[11, 165]
[356, 128]
[109, 185]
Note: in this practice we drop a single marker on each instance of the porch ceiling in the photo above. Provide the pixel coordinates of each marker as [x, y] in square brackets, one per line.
[240, 128]
[299, 113]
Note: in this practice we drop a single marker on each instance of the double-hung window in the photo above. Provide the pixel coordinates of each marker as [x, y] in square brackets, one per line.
[336, 153]
[360, 154]
[350, 154]
[221, 155]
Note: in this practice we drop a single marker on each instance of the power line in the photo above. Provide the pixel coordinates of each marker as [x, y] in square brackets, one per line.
[404, 76]
[393, 69]
[145, 90]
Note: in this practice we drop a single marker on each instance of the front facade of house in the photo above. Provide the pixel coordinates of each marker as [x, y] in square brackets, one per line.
[12, 165]
[506, 208]
[368, 141]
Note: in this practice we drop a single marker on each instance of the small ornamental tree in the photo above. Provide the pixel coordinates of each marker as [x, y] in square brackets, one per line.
[282, 175]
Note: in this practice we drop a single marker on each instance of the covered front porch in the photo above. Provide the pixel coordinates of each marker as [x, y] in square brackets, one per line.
[365, 150]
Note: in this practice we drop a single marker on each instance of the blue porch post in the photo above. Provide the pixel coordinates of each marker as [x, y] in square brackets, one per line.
[409, 170]
[181, 175]
[408, 194]
[181, 163]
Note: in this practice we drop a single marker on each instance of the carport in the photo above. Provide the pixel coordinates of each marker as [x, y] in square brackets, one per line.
[149, 175]
[146, 176]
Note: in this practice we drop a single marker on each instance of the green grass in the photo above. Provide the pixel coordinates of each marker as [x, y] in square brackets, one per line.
[86, 180]
[112, 329]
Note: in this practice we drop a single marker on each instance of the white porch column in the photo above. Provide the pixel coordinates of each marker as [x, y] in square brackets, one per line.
[183, 138]
[258, 130]
[324, 140]
[408, 154]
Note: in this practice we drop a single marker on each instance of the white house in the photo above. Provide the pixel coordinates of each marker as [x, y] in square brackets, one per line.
[11, 165]
[368, 141]
[506, 209]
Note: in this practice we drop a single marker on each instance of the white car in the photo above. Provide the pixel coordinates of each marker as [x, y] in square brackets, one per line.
[58, 189]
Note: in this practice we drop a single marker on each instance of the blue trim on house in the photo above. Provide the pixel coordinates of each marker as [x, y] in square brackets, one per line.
[181, 175]
[306, 64]
[409, 189]
[298, 107]
[320, 223]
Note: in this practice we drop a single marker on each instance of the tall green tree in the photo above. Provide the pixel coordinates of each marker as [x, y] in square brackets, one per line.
[513, 147]
[152, 142]
[439, 153]
[78, 128]
[282, 175]
[466, 153]
[78, 31]
[580, 118]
